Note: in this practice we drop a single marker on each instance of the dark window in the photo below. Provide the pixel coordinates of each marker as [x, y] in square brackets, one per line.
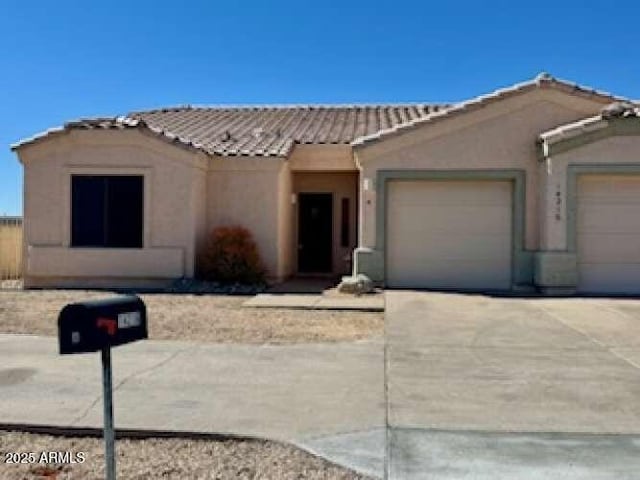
[107, 211]
[344, 223]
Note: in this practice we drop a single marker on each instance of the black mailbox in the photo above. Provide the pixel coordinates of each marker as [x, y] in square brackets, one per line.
[93, 325]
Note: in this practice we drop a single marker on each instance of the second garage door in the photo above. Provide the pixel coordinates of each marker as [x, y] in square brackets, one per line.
[449, 234]
[608, 234]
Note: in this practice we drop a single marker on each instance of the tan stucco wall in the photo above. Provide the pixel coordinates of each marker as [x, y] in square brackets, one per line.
[341, 185]
[322, 158]
[187, 194]
[245, 191]
[286, 239]
[199, 199]
[502, 135]
[172, 182]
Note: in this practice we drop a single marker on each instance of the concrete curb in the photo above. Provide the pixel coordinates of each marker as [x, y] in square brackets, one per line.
[60, 430]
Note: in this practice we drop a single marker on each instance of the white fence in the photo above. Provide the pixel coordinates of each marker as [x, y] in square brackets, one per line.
[10, 248]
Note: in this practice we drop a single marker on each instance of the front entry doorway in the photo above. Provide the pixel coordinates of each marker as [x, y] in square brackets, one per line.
[315, 232]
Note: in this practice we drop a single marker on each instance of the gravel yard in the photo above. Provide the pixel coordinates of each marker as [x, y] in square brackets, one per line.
[167, 458]
[202, 318]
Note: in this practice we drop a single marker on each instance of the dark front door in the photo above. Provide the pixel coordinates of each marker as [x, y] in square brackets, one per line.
[315, 221]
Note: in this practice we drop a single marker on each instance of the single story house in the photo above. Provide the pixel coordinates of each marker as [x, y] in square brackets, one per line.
[534, 185]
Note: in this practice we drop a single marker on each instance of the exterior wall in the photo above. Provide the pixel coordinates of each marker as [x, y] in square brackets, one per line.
[286, 238]
[187, 194]
[556, 263]
[199, 213]
[322, 158]
[170, 222]
[499, 137]
[246, 191]
[341, 185]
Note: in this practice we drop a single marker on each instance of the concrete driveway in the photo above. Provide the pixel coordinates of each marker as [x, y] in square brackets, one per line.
[482, 387]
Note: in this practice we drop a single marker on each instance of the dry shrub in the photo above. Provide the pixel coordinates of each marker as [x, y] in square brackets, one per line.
[231, 255]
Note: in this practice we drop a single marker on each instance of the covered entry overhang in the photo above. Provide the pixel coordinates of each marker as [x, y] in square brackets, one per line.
[321, 210]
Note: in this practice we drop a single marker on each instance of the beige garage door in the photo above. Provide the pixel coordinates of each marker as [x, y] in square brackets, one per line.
[608, 234]
[449, 234]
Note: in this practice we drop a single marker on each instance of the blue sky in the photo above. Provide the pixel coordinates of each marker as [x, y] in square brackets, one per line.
[79, 59]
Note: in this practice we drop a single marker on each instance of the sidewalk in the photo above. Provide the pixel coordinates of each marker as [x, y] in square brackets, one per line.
[311, 395]
[368, 303]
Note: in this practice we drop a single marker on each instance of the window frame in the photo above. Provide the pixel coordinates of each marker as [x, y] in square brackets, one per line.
[345, 223]
[140, 235]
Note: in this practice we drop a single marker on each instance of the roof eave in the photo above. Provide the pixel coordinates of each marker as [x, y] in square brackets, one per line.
[586, 131]
[542, 81]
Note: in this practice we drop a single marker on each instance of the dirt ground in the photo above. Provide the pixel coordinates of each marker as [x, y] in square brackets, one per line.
[202, 318]
[165, 458]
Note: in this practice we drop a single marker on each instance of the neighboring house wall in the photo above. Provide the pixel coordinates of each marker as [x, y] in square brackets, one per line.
[10, 247]
[173, 185]
[500, 136]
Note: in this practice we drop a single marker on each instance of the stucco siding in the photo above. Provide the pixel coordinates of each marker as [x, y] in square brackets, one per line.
[286, 240]
[245, 191]
[322, 158]
[199, 199]
[500, 136]
[155, 262]
[169, 175]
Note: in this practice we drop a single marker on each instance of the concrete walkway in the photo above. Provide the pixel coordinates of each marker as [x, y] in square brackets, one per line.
[312, 395]
[370, 303]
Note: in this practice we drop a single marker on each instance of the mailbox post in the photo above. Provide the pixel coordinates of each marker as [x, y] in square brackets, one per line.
[98, 325]
[107, 400]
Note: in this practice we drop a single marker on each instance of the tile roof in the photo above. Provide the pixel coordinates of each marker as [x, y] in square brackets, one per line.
[256, 130]
[543, 80]
[273, 130]
[106, 123]
[615, 110]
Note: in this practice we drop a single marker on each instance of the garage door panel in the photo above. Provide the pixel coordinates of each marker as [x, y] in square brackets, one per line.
[472, 219]
[606, 218]
[439, 193]
[610, 278]
[608, 234]
[599, 187]
[486, 247]
[449, 234]
[478, 275]
[597, 248]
